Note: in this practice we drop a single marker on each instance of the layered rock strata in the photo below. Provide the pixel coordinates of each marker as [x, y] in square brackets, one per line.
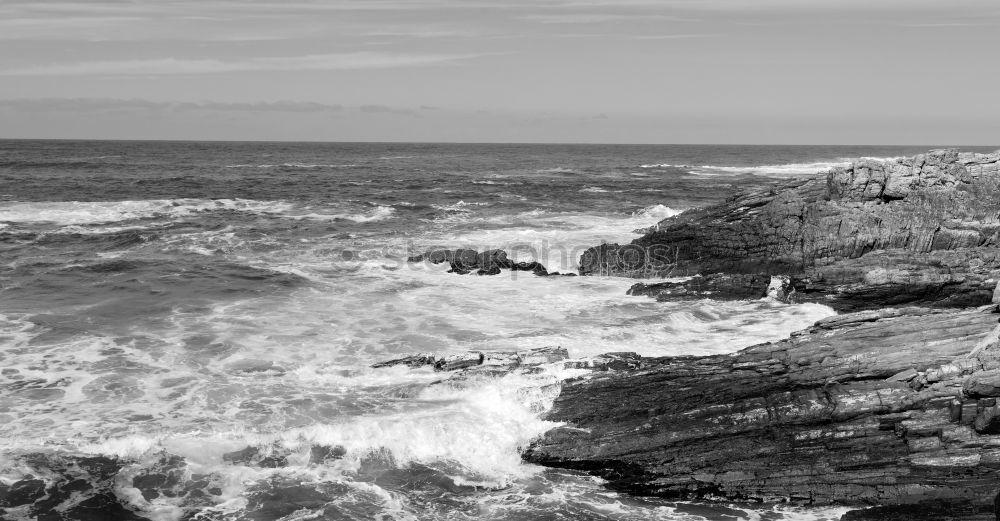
[890, 407]
[922, 230]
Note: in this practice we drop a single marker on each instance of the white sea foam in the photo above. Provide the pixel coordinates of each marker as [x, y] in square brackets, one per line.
[790, 169]
[556, 239]
[379, 213]
[306, 166]
[594, 189]
[97, 212]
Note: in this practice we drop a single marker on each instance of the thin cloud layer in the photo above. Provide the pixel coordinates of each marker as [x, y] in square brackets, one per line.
[174, 66]
[758, 65]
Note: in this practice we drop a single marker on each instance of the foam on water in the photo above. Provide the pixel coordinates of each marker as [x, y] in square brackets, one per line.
[87, 212]
[776, 170]
[379, 213]
[556, 239]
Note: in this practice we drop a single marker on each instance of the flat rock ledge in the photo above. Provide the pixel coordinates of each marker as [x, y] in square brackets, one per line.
[894, 409]
[923, 230]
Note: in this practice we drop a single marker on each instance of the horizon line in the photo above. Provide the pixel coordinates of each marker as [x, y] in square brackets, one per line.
[522, 143]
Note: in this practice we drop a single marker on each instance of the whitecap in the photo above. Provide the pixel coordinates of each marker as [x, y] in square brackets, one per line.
[97, 212]
[380, 213]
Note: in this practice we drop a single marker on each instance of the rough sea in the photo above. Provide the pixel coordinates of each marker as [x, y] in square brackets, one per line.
[187, 329]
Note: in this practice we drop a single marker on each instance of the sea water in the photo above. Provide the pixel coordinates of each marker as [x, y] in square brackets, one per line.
[187, 329]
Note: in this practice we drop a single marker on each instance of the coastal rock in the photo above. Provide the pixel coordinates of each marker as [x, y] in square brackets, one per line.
[492, 361]
[921, 230]
[872, 408]
[490, 262]
[720, 286]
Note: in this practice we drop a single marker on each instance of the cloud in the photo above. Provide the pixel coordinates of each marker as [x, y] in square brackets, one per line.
[109, 104]
[670, 36]
[383, 109]
[595, 18]
[274, 106]
[185, 66]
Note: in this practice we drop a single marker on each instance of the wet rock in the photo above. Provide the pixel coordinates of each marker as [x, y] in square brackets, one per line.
[544, 355]
[321, 453]
[621, 361]
[720, 286]
[23, 492]
[100, 507]
[418, 360]
[490, 262]
[456, 362]
[534, 267]
[253, 456]
[923, 230]
[840, 413]
[494, 362]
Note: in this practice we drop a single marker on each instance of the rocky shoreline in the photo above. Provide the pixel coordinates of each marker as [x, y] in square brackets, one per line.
[891, 405]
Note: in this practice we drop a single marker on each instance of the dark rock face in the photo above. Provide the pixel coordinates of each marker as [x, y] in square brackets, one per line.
[890, 407]
[489, 262]
[922, 230]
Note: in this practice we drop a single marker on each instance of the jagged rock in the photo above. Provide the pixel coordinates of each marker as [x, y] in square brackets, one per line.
[621, 361]
[490, 262]
[921, 230]
[322, 453]
[861, 409]
[417, 360]
[494, 361]
[721, 286]
[543, 355]
[456, 362]
[252, 456]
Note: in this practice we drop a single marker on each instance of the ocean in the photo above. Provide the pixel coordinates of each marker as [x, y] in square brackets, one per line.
[187, 329]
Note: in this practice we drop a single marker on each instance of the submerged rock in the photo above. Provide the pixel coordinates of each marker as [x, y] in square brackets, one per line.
[891, 407]
[921, 230]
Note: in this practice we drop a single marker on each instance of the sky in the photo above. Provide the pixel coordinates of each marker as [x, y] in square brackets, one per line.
[595, 71]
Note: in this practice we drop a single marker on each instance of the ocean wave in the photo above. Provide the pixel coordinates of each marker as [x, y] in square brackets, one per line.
[461, 206]
[789, 169]
[556, 170]
[380, 213]
[657, 211]
[98, 212]
[306, 166]
[594, 189]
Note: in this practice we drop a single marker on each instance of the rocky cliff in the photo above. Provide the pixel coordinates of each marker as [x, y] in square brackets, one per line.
[922, 230]
[891, 407]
